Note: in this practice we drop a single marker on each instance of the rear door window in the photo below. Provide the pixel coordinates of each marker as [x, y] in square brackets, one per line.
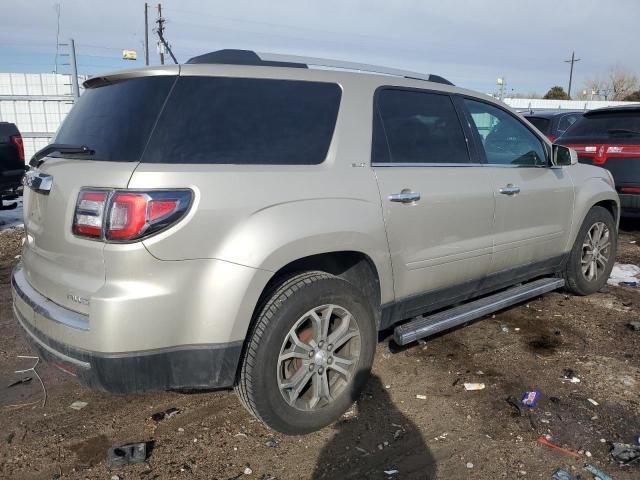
[219, 120]
[115, 119]
[412, 126]
[566, 121]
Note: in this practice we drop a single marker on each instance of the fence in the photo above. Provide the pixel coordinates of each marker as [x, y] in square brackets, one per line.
[541, 104]
[37, 103]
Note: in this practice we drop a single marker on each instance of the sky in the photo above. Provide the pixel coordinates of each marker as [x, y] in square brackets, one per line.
[471, 43]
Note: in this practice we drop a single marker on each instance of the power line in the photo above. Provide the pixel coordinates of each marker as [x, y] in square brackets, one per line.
[162, 43]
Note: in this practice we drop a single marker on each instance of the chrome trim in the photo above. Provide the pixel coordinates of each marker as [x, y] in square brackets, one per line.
[55, 353]
[404, 197]
[509, 189]
[43, 306]
[38, 182]
[391, 164]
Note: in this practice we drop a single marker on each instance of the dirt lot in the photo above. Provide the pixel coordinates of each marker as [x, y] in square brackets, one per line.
[449, 433]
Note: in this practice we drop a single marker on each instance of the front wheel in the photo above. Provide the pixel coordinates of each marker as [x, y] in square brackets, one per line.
[309, 353]
[591, 259]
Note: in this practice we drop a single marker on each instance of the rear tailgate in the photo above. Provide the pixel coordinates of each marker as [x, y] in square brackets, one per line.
[59, 265]
[113, 119]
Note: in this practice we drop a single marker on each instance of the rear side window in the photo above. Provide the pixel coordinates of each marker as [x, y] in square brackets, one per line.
[607, 125]
[115, 119]
[540, 123]
[419, 127]
[215, 120]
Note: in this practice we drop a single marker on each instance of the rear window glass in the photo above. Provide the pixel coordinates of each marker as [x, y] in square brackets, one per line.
[612, 125]
[115, 120]
[245, 121]
[541, 124]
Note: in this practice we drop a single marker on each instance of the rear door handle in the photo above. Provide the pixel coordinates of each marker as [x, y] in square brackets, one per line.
[510, 189]
[406, 196]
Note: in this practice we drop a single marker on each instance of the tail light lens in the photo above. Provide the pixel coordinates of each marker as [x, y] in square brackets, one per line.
[122, 215]
[19, 144]
[630, 190]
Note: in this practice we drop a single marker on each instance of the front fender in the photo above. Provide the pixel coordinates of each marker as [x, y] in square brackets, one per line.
[590, 190]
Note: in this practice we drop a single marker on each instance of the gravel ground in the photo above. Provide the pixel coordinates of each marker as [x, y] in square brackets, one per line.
[447, 433]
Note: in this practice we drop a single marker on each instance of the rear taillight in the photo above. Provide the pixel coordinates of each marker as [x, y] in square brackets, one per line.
[630, 190]
[122, 215]
[19, 144]
[552, 138]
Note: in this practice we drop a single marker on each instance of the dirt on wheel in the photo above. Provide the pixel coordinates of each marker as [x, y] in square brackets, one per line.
[414, 420]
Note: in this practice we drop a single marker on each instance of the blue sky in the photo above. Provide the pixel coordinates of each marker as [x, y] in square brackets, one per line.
[469, 42]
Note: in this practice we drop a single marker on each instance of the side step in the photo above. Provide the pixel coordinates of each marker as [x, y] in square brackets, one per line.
[425, 326]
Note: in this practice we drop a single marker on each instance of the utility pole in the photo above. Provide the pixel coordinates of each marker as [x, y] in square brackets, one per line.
[57, 9]
[162, 44]
[160, 30]
[572, 61]
[146, 33]
[74, 70]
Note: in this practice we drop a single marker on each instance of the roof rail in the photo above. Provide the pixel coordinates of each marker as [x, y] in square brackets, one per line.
[248, 57]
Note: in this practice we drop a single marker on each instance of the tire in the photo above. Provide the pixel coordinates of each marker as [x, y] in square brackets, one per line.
[578, 282]
[263, 375]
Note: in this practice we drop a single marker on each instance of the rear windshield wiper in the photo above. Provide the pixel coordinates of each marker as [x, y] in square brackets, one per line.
[622, 131]
[36, 160]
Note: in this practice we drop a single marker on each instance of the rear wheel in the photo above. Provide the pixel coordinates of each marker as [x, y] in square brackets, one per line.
[591, 259]
[309, 353]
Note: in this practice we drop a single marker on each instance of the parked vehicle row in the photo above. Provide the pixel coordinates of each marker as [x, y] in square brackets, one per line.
[12, 164]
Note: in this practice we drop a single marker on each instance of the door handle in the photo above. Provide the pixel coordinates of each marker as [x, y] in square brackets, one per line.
[406, 196]
[510, 189]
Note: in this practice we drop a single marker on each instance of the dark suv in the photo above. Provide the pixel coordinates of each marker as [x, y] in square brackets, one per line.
[12, 164]
[610, 138]
[553, 123]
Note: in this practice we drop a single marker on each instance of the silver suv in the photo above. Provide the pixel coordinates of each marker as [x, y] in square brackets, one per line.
[252, 222]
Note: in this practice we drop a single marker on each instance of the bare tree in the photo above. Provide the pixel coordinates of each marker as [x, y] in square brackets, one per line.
[622, 82]
[617, 84]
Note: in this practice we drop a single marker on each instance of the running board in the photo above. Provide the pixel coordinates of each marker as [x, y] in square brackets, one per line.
[425, 326]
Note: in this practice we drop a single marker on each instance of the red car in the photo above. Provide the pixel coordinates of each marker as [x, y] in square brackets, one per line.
[610, 138]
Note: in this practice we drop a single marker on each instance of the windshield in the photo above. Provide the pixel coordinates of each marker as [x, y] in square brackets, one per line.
[115, 120]
[607, 125]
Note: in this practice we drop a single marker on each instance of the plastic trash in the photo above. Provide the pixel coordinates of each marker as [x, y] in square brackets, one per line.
[530, 399]
[561, 474]
[125, 454]
[546, 442]
[592, 402]
[168, 413]
[78, 405]
[598, 474]
[624, 272]
[20, 382]
[474, 386]
[625, 453]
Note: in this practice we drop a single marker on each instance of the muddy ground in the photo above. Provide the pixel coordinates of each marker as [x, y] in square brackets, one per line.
[449, 433]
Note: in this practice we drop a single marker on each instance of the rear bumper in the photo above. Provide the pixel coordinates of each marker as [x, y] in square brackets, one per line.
[187, 366]
[630, 202]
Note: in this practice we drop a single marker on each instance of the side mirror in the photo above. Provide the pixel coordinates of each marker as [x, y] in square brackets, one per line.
[563, 156]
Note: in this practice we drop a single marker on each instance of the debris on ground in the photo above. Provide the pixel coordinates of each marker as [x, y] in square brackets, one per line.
[592, 402]
[421, 397]
[127, 453]
[247, 470]
[626, 273]
[391, 472]
[625, 453]
[469, 465]
[272, 443]
[597, 473]
[561, 474]
[635, 326]
[570, 375]
[546, 442]
[513, 401]
[168, 413]
[20, 382]
[474, 386]
[78, 405]
[530, 399]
